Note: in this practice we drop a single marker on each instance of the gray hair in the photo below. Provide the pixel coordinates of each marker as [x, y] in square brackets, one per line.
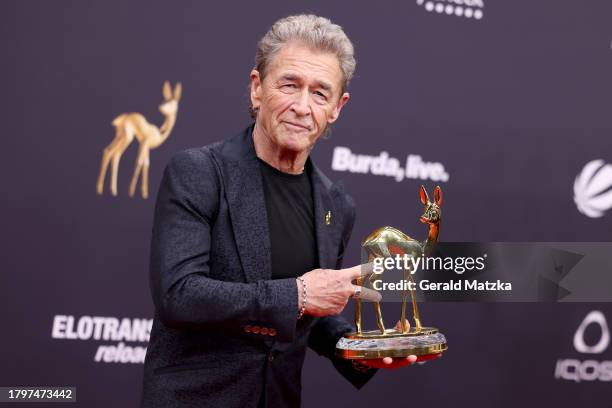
[316, 32]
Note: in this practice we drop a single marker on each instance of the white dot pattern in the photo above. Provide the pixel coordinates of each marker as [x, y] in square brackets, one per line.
[449, 9]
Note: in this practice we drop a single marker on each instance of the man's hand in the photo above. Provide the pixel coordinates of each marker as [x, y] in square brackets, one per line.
[328, 290]
[389, 362]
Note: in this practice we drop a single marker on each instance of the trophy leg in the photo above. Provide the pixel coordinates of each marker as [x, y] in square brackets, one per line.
[358, 310]
[404, 298]
[415, 309]
[379, 318]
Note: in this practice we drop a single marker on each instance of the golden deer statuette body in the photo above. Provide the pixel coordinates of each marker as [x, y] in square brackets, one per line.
[388, 241]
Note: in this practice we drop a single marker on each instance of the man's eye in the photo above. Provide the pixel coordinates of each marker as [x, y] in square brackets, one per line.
[320, 94]
[289, 86]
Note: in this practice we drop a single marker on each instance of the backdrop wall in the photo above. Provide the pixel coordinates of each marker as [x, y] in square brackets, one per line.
[501, 103]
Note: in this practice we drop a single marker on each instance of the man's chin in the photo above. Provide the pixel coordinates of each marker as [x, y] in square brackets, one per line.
[295, 147]
[296, 142]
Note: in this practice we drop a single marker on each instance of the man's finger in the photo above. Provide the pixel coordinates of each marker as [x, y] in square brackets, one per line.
[357, 271]
[398, 325]
[366, 294]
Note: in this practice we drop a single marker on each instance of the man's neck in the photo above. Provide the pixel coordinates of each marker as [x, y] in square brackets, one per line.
[287, 161]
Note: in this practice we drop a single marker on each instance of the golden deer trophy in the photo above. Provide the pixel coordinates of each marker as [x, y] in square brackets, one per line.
[130, 125]
[425, 342]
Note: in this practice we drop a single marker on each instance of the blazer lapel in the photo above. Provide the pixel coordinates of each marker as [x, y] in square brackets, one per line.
[247, 207]
[326, 216]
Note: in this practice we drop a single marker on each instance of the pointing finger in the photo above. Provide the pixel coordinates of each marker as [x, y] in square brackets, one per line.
[362, 271]
[366, 294]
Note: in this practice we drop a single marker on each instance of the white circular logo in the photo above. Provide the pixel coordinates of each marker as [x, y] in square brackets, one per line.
[592, 193]
[593, 317]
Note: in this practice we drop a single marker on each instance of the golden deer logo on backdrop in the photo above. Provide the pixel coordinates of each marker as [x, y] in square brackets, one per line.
[130, 125]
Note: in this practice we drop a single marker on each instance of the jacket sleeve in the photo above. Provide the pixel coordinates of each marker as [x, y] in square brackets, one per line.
[323, 337]
[184, 294]
[327, 330]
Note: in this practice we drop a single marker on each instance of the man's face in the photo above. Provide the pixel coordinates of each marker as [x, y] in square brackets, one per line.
[299, 97]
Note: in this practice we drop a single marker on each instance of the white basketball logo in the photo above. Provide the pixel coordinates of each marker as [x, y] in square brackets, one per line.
[593, 189]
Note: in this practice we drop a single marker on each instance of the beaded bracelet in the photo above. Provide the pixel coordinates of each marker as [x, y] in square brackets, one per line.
[303, 308]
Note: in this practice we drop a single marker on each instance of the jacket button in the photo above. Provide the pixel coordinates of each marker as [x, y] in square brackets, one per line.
[272, 332]
[264, 331]
[247, 329]
[271, 356]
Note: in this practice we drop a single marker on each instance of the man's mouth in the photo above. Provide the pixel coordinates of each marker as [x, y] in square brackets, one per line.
[297, 125]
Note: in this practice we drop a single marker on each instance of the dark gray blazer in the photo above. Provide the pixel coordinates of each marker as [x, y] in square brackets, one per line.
[211, 283]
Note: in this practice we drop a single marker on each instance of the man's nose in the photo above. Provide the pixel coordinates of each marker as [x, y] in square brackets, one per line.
[301, 106]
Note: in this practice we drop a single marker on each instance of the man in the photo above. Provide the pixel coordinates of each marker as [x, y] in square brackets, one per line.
[238, 221]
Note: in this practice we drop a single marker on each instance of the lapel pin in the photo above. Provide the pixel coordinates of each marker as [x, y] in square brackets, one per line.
[328, 218]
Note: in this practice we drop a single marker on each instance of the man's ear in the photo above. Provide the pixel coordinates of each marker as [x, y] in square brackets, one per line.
[336, 112]
[255, 89]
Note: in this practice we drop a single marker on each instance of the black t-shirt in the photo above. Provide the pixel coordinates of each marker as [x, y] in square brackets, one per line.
[290, 205]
